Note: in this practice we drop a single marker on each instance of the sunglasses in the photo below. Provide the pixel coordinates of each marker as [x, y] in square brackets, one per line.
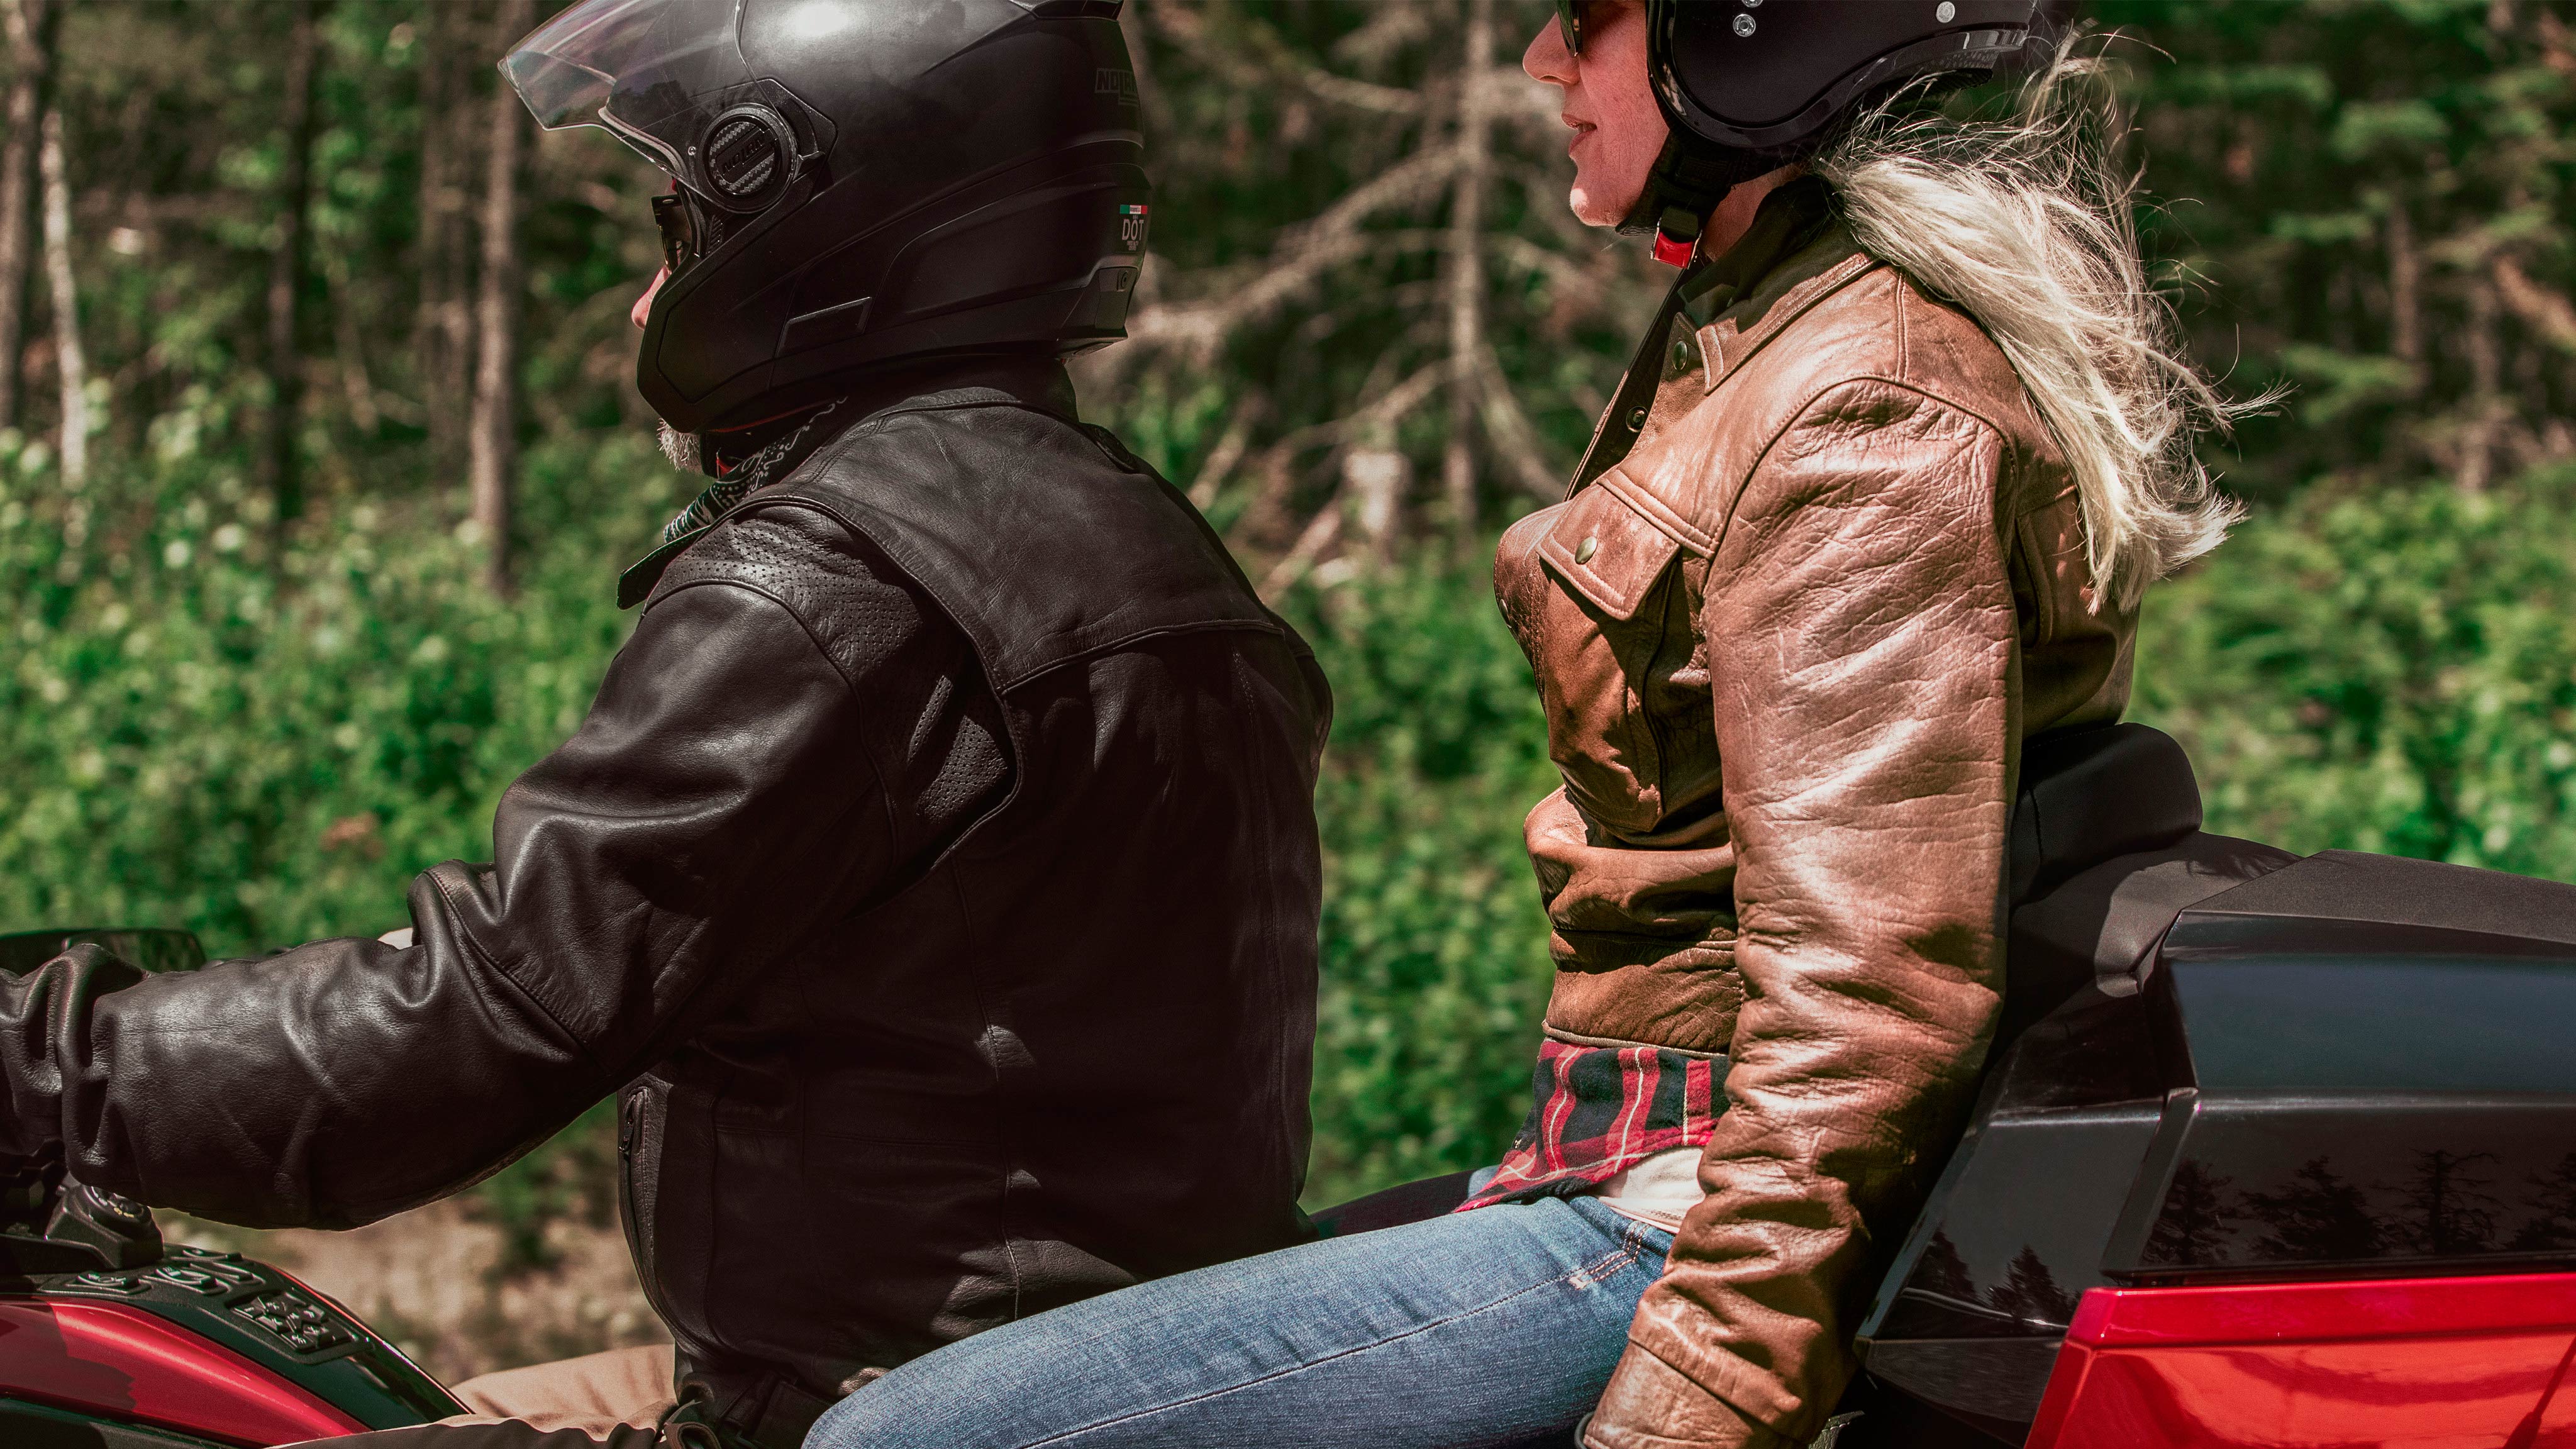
[1570, 18]
[679, 229]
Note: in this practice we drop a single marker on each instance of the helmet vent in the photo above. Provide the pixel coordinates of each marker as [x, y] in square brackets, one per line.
[742, 158]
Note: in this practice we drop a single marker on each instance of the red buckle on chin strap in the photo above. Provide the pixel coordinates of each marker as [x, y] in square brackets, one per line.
[1672, 252]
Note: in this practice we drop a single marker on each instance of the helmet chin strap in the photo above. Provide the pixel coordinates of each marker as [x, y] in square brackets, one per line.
[1689, 179]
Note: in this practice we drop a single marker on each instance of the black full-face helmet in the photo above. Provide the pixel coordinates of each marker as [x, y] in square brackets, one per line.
[1750, 85]
[859, 183]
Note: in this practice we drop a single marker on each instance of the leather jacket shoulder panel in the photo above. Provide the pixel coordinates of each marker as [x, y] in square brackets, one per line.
[1709, 431]
[1006, 515]
[1851, 319]
[711, 814]
[929, 724]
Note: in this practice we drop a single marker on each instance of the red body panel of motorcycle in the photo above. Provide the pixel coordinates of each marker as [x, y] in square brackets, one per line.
[122, 1362]
[2414, 1363]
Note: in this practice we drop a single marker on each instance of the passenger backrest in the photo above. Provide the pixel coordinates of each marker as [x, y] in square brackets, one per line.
[2106, 850]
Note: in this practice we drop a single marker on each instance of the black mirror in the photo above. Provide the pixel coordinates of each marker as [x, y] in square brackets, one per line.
[149, 949]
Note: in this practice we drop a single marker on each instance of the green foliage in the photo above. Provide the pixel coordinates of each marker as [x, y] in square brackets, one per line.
[267, 754]
[2370, 201]
[569, 1179]
[2388, 672]
[1435, 950]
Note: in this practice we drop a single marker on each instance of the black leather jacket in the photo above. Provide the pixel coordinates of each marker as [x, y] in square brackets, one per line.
[936, 871]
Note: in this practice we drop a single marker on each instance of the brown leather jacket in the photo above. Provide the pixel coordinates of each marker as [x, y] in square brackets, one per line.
[1789, 648]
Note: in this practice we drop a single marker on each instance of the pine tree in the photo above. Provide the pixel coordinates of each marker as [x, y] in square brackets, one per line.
[2030, 1292]
[2317, 1217]
[2198, 1220]
[2372, 203]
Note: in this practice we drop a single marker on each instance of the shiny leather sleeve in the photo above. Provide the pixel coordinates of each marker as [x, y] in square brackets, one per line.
[713, 811]
[1861, 633]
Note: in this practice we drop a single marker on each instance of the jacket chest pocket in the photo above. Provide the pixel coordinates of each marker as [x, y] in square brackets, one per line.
[1593, 636]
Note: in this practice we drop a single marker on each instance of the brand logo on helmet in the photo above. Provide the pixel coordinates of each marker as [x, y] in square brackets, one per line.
[1110, 82]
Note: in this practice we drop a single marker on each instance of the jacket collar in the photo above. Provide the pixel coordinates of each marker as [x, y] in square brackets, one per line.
[767, 452]
[1788, 219]
[1796, 254]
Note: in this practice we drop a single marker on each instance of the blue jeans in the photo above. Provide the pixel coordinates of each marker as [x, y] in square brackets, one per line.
[1494, 1327]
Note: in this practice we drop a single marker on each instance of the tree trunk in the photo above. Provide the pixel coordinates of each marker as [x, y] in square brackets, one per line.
[278, 465]
[446, 325]
[2486, 388]
[31, 26]
[69, 363]
[493, 456]
[2405, 288]
[1152, 107]
[1467, 272]
[357, 384]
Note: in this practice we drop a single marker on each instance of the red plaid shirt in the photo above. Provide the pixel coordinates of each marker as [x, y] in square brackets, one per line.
[1601, 1110]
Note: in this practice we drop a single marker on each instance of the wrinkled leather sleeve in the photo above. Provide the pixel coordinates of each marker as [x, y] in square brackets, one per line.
[713, 810]
[1860, 627]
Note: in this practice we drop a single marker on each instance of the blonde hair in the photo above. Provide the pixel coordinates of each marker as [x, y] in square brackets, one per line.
[2025, 223]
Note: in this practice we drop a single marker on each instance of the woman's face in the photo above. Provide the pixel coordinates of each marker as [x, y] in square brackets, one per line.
[1618, 128]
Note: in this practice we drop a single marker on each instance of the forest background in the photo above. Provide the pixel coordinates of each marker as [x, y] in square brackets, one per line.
[319, 457]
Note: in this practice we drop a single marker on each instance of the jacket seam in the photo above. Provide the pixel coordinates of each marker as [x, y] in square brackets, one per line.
[1557, 1033]
[803, 627]
[1001, 684]
[1898, 298]
[2023, 526]
[1762, 455]
[1005, 685]
[849, 687]
[1656, 513]
[983, 664]
[457, 910]
[982, 661]
[1140, 636]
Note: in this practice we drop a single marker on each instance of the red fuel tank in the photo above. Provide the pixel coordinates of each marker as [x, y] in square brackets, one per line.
[123, 1362]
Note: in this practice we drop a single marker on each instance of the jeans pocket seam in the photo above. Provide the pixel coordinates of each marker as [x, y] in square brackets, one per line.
[1608, 1265]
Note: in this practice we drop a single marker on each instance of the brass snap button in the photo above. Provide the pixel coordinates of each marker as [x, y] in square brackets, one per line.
[1683, 356]
[1584, 551]
[1636, 420]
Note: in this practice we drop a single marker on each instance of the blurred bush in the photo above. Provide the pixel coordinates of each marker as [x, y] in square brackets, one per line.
[1435, 949]
[2390, 671]
[263, 747]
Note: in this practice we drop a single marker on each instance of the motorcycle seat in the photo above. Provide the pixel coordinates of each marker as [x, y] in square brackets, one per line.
[2107, 850]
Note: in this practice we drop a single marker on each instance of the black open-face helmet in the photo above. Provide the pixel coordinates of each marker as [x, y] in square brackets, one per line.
[1748, 86]
[859, 183]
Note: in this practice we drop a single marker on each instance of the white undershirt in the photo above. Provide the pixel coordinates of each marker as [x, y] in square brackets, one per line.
[1657, 1191]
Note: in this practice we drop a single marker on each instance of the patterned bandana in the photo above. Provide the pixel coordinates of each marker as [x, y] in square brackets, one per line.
[735, 481]
[727, 492]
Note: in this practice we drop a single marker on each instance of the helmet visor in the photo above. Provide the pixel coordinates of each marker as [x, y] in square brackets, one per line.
[651, 72]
